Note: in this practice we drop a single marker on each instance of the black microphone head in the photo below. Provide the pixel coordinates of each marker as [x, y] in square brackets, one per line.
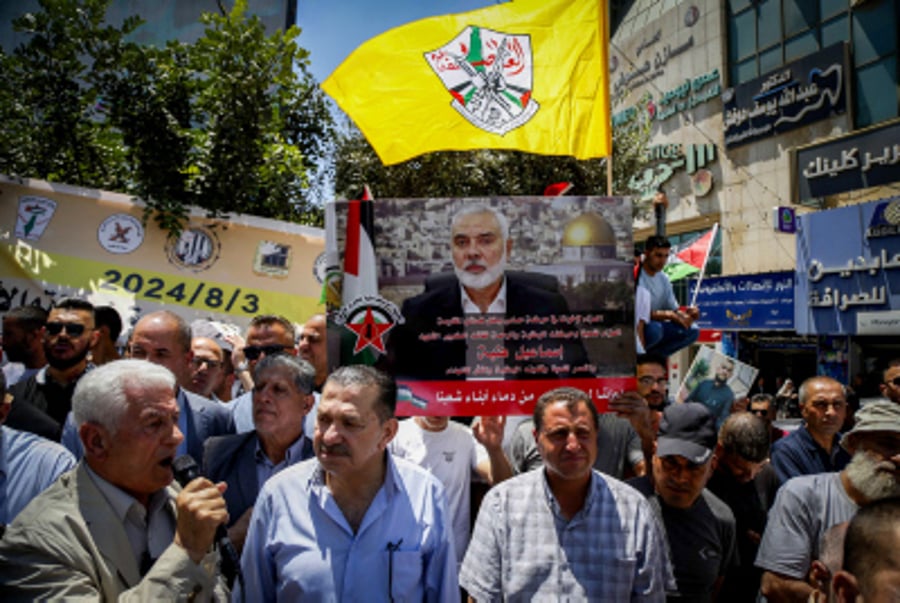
[186, 469]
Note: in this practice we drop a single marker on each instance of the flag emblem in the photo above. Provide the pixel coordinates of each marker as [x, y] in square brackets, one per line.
[489, 75]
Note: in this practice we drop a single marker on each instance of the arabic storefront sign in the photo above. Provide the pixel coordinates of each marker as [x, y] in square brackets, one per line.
[649, 69]
[671, 158]
[748, 302]
[805, 91]
[848, 267]
[869, 158]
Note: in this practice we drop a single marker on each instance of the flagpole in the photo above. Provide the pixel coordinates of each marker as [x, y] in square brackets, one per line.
[609, 174]
[712, 240]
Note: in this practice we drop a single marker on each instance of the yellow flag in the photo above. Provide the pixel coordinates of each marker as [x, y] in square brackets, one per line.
[530, 75]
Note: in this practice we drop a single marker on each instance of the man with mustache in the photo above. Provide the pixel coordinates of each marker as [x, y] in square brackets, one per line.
[68, 336]
[700, 528]
[480, 290]
[115, 526]
[808, 505]
[566, 531]
[355, 524]
[815, 446]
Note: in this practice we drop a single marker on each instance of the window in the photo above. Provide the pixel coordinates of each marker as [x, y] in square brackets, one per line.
[763, 35]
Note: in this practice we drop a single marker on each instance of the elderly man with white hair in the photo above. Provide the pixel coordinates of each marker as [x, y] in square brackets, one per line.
[115, 528]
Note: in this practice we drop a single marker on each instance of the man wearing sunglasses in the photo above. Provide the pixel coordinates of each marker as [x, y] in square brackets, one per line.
[890, 389]
[267, 335]
[67, 338]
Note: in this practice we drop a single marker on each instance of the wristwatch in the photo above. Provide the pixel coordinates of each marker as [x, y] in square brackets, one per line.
[242, 367]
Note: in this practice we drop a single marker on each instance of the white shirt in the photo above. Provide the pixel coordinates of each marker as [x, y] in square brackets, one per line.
[451, 456]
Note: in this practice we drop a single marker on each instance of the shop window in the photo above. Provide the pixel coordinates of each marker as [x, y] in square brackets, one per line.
[876, 92]
[766, 34]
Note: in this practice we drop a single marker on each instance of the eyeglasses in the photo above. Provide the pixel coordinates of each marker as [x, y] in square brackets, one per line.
[252, 352]
[822, 405]
[210, 364]
[73, 329]
[649, 380]
[762, 412]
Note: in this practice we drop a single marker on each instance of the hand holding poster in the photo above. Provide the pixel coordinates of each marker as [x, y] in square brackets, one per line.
[717, 381]
[484, 304]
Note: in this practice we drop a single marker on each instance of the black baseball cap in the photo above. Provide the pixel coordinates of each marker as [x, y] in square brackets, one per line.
[687, 430]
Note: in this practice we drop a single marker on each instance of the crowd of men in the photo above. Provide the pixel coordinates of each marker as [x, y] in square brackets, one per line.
[309, 477]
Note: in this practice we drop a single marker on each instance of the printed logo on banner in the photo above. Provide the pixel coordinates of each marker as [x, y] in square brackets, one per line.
[196, 249]
[33, 216]
[120, 233]
[370, 317]
[885, 220]
[272, 259]
[489, 75]
[320, 267]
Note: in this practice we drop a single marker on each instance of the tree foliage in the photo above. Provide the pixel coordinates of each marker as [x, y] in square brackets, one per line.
[233, 122]
[482, 173]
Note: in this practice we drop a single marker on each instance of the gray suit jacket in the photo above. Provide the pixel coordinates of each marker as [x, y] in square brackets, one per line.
[232, 459]
[67, 544]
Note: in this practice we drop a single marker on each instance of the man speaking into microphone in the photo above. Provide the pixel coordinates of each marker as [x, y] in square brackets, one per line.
[116, 527]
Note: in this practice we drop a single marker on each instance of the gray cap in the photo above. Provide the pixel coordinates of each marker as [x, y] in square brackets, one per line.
[878, 416]
[215, 330]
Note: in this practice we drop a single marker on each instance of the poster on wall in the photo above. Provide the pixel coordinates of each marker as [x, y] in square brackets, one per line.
[481, 305]
[60, 240]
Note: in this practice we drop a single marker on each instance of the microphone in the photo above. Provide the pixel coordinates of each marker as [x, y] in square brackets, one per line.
[186, 470]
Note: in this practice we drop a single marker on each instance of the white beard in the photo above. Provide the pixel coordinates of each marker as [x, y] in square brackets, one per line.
[490, 275]
[863, 472]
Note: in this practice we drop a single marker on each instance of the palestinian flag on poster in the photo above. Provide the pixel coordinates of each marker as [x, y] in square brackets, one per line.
[365, 322]
[690, 257]
[360, 275]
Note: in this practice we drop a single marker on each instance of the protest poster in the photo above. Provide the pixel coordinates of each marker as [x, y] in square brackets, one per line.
[716, 381]
[548, 291]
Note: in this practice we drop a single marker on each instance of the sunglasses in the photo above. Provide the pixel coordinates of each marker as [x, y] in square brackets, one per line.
[252, 352]
[73, 329]
[894, 381]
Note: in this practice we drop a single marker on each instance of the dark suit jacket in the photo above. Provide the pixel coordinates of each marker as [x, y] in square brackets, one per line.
[232, 459]
[414, 357]
[205, 419]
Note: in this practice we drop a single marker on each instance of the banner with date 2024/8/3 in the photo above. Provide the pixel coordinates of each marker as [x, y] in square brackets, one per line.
[61, 240]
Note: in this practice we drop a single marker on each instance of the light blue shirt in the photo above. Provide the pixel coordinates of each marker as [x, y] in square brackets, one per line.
[265, 468]
[662, 295]
[28, 465]
[300, 545]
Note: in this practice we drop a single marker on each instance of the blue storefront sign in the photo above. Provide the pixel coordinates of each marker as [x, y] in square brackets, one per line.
[762, 302]
[848, 270]
[800, 93]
